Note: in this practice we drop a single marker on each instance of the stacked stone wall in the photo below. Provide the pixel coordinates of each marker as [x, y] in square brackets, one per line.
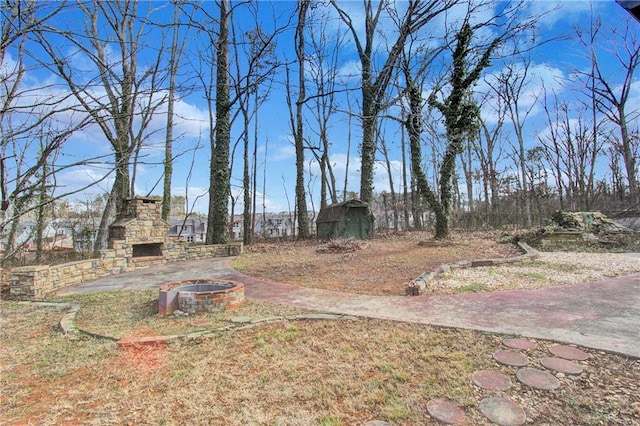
[36, 282]
[176, 251]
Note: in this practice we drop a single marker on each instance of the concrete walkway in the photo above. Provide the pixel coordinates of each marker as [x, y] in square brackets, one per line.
[602, 315]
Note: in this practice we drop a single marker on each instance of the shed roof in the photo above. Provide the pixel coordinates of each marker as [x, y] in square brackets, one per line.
[333, 212]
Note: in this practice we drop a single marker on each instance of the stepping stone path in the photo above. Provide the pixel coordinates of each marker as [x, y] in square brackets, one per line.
[511, 358]
[521, 344]
[537, 379]
[503, 411]
[561, 365]
[568, 352]
[241, 320]
[446, 411]
[491, 380]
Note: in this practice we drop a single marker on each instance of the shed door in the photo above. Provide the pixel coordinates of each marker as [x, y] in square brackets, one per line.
[354, 226]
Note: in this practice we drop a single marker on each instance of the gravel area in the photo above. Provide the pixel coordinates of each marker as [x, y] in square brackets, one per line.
[550, 269]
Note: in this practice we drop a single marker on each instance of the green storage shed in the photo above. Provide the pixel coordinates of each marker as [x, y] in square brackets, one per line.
[349, 219]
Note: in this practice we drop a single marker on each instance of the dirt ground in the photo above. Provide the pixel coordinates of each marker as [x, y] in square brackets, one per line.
[381, 266]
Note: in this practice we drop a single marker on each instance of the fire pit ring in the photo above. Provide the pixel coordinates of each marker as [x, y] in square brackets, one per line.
[200, 295]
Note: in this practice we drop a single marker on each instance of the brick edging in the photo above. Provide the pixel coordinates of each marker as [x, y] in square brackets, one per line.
[417, 286]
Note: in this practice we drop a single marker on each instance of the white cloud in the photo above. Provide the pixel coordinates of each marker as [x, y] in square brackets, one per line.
[282, 152]
[540, 77]
[553, 12]
[351, 70]
[100, 180]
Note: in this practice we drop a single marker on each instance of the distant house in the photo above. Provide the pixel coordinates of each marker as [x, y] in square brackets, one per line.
[193, 229]
[56, 235]
[274, 225]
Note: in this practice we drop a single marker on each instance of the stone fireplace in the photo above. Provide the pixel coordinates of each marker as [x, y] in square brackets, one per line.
[140, 234]
[137, 239]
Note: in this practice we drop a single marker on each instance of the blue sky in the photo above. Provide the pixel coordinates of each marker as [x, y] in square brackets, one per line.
[552, 66]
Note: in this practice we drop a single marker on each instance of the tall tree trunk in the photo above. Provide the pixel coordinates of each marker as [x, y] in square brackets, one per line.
[174, 60]
[405, 192]
[219, 179]
[108, 214]
[467, 169]
[301, 199]
[368, 148]
[394, 201]
[346, 166]
[246, 180]
[629, 158]
[323, 180]
[252, 224]
[41, 213]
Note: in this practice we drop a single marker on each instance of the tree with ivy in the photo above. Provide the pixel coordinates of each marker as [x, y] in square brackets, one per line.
[461, 117]
[220, 177]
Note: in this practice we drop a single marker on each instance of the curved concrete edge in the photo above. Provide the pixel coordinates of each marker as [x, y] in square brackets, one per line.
[418, 286]
[67, 322]
[68, 326]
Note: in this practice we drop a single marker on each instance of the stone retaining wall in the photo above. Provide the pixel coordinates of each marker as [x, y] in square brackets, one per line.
[36, 282]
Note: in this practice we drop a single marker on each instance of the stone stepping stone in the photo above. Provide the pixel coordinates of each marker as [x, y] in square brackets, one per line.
[511, 358]
[561, 365]
[537, 379]
[491, 380]
[568, 352]
[201, 322]
[445, 411]
[376, 423]
[502, 411]
[522, 344]
[240, 320]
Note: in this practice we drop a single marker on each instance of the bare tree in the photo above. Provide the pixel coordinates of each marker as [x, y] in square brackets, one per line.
[123, 95]
[297, 120]
[453, 98]
[323, 61]
[177, 49]
[613, 90]
[510, 85]
[18, 21]
[35, 123]
[488, 153]
[375, 83]
[255, 71]
[572, 149]
[382, 146]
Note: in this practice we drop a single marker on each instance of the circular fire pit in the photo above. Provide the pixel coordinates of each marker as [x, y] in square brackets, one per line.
[200, 295]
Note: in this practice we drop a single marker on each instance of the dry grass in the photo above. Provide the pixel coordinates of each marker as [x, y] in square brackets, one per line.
[115, 314]
[382, 267]
[287, 373]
